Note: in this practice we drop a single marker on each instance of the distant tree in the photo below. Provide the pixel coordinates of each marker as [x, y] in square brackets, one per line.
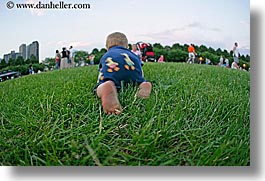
[167, 48]
[50, 62]
[11, 62]
[176, 55]
[176, 46]
[103, 50]
[19, 60]
[81, 56]
[23, 69]
[27, 61]
[3, 64]
[185, 47]
[231, 53]
[226, 54]
[219, 52]
[211, 50]
[95, 51]
[159, 52]
[247, 58]
[202, 48]
[99, 55]
[158, 46]
[33, 59]
[38, 66]
[212, 56]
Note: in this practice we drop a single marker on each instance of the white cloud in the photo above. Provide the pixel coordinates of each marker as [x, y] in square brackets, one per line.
[79, 44]
[243, 22]
[67, 44]
[187, 33]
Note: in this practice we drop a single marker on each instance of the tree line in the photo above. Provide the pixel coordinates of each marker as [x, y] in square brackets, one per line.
[174, 53]
[20, 65]
[178, 53]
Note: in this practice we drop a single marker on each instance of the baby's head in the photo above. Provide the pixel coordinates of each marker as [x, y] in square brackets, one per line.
[116, 39]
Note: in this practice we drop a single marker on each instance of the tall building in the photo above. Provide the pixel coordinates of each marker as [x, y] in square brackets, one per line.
[23, 51]
[27, 51]
[33, 50]
[6, 57]
[12, 55]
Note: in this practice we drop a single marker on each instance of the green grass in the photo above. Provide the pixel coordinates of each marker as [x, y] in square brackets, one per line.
[196, 115]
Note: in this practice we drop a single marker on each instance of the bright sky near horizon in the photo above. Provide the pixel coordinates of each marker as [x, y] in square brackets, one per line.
[213, 23]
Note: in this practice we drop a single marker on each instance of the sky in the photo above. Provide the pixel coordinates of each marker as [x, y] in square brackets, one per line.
[213, 23]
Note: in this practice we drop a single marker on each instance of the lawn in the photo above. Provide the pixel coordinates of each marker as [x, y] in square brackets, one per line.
[197, 115]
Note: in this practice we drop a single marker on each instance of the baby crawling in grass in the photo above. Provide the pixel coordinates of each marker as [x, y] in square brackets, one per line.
[118, 65]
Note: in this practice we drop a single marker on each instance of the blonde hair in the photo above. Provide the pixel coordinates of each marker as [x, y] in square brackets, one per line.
[116, 39]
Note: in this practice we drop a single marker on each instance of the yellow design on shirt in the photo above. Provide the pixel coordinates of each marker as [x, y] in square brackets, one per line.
[112, 65]
[130, 63]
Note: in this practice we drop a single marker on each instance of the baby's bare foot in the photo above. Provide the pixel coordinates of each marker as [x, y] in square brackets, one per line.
[144, 90]
[109, 98]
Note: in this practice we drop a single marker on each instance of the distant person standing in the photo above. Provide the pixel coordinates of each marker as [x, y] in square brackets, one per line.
[192, 53]
[31, 71]
[71, 56]
[221, 61]
[137, 53]
[64, 59]
[236, 53]
[227, 63]
[68, 59]
[57, 59]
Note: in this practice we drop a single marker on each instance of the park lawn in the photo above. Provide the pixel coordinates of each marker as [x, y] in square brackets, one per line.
[197, 115]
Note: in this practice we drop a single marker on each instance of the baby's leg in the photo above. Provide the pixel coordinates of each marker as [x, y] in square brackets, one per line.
[144, 90]
[109, 97]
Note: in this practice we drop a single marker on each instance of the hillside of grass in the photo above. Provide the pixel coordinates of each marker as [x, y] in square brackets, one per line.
[196, 115]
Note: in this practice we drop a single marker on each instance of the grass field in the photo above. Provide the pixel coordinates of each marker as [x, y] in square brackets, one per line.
[196, 115]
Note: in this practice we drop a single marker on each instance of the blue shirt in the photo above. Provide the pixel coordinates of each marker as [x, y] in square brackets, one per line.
[120, 64]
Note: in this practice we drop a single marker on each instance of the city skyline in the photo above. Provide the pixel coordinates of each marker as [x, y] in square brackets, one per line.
[213, 23]
[25, 51]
